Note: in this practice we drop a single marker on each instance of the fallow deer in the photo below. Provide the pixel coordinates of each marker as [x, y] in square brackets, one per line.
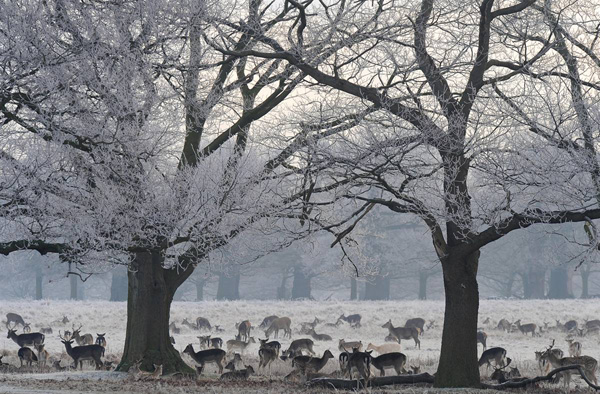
[216, 356]
[281, 323]
[394, 360]
[403, 333]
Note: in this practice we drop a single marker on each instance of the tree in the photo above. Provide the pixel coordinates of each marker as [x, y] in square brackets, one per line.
[428, 128]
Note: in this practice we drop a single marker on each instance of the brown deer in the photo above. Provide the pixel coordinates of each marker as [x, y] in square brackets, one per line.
[525, 328]
[416, 322]
[312, 364]
[502, 375]
[244, 330]
[297, 346]
[203, 324]
[32, 339]
[504, 325]
[588, 363]
[149, 375]
[275, 345]
[281, 323]
[266, 356]
[43, 355]
[344, 346]
[495, 354]
[543, 363]
[203, 357]
[82, 340]
[14, 318]
[574, 348]
[100, 340]
[359, 365]
[403, 333]
[233, 364]
[389, 360]
[267, 322]
[242, 374]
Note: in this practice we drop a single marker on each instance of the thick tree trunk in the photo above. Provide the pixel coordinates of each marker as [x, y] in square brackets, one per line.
[301, 285]
[118, 285]
[353, 289]
[229, 286]
[38, 282]
[378, 289]
[148, 310]
[559, 284]
[458, 366]
[200, 289]
[423, 276]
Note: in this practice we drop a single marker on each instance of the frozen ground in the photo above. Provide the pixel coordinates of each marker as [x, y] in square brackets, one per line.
[110, 317]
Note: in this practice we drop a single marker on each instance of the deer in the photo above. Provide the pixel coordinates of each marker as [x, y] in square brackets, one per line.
[46, 330]
[219, 329]
[27, 328]
[496, 354]
[233, 344]
[305, 327]
[234, 362]
[414, 370]
[574, 348]
[501, 375]
[344, 346]
[592, 324]
[416, 322]
[267, 321]
[82, 340]
[174, 329]
[504, 325]
[56, 365]
[275, 345]
[281, 323]
[385, 348]
[14, 318]
[207, 342]
[79, 354]
[353, 320]
[482, 338]
[588, 363]
[203, 324]
[32, 339]
[43, 354]
[319, 337]
[266, 356]
[313, 364]
[186, 323]
[242, 374]
[543, 363]
[27, 355]
[525, 328]
[216, 356]
[100, 340]
[149, 375]
[297, 346]
[244, 329]
[403, 333]
[394, 360]
[359, 363]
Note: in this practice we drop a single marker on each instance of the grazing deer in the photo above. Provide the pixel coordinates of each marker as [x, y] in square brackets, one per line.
[79, 354]
[385, 348]
[482, 338]
[207, 342]
[242, 374]
[186, 323]
[504, 325]
[82, 340]
[216, 356]
[234, 344]
[147, 375]
[297, 346]
[27, 328]
[496, 354]
[394, 360]
[281, 323]
[266, 355]
[574, 348]
[43, 355]
[525, 328]
[414, 370]
[203, 324]
[267, 321]
[501, 375]
[309, 363]
[344, 346]
[32, 339]
[174, 329]
[588, 363]
[27, 355]
[46, 330]
[416, 322]
[431, 325]
[232, 365]
[403, 333]
[244, 329]
[353, 320]
[319, 337]
[100, 340]
[275, 345]
[14, 318]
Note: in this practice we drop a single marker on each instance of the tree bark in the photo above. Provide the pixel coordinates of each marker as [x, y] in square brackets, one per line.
[423, 276]
[229, 286]
[148, 309]
[301, 285]
[458, 366]
[118, 285]
[200, 289]
[559, 284]
[38, 282]
[378, 289]
[73, 283]
[353, 289]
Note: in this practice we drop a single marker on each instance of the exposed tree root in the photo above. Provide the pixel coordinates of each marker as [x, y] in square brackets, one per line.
[374, 382]
[521, 383]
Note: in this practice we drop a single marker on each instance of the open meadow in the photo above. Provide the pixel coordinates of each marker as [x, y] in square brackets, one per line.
[110, 318]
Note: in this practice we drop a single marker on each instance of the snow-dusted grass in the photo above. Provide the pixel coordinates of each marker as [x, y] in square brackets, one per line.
[110, 317]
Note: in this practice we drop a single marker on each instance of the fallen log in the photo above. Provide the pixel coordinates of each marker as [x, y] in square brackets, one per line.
[374, 382]
[521, 383]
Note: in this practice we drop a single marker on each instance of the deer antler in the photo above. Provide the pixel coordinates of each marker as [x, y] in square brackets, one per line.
[61, 336]
[507, 364]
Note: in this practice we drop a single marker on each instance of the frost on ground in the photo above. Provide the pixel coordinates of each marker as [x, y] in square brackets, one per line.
[110, 317]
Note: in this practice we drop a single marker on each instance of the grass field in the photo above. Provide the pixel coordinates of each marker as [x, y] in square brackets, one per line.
[110, 317]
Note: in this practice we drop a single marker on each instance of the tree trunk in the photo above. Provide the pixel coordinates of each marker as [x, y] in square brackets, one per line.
[73, 282]
[423, 276]
[81, 291]
[118, 285]
[229, 286]
[534, 283]
[377, 289]
[458, 366]
[148, 309]
[559, 284]
[200, 289]
[585, 282]
[301, 285]
[38, 282]
[282, 290]
[353, 289]
[509, 286]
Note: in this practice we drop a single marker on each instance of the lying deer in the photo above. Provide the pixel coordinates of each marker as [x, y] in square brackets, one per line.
[353, 320]
[502, 375]
[403, 333]
[216, 356]
[318, 337]
[344, 346]
[32, 339]
[236, 361]
[147, 375]
[242, 374]
[85, 339]
[309, 363]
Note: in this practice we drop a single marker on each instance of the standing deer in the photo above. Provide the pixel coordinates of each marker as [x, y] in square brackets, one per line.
[82, 340]
[202, 357]
[203, 324]
[100, 340]
[416, 322]
[574, 348]
[43, 355]
[496, 354]
[275, 345]
[79, 354]
[32, 339]
[525, 328]
[403, 333]
[389, 360]
[281, 323]
[185, 322]
[314, 364]
[359, 363]
[543, 363]
[504, 325]
[244, 330]
[267, 321]
[27, 355]
[266, 356]
[234, 344]
[207, 342]
[482, 338]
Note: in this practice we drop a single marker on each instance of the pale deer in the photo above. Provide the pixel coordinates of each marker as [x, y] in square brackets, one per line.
[14, 318]
[27, 355]
[385, 348]
[234, 344]
[588, 363]
[27, 328]
[353, 320]
[150, 375]
[543, 363]
[403, 333]
[82, 340]
[394, 360]
[100, 340]
[416, 322]
[79, 354]
[267, 322]
[318, 337]
[43, 355]
[244, 329]
[482, 338]
[32, 339]
[281, 323]
[525, 328]
[574, 348]
[344, 346]
[297, 346]
[496, 354]
[203, 324]
[206, 342]
[312, 364]
[242, 374]
[216, 356]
